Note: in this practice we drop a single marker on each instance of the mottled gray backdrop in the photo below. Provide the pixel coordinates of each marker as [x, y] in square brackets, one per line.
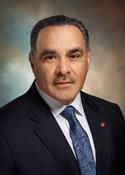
[105, 20]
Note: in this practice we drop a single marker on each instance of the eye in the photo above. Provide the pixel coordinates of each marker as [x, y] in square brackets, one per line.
[74, 57]
[49, 58]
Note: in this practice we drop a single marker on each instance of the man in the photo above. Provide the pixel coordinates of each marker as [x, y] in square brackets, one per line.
[36, 136]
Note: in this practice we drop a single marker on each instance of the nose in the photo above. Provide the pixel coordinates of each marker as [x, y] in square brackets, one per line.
[63, 66]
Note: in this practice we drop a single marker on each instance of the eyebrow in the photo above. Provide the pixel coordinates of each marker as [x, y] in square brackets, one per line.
[47, 52]
[50, 51]
[78, 49]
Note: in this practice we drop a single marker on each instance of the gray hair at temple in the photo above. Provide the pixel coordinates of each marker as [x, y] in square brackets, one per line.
[58, 20]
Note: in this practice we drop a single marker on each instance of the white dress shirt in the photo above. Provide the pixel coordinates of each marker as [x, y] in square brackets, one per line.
[57, 107]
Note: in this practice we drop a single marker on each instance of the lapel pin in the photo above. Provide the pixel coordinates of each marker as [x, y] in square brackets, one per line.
[102, 124]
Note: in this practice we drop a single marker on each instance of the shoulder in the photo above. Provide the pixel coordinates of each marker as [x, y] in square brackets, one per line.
[15, 105]
[97, 100]
[107, 109]
[13, 112]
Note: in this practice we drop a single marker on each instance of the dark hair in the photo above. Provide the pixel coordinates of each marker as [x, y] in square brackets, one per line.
[58, 20]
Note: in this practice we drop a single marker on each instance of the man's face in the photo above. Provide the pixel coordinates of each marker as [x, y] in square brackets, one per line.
[61, 62]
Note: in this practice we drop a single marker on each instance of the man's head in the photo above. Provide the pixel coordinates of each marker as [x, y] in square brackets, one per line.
[60, 56]
[58, 20]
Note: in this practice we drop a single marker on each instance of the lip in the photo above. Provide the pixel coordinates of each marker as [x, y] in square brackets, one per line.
[64, 84]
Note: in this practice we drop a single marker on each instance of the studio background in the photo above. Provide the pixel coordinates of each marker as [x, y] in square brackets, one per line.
[105, 20]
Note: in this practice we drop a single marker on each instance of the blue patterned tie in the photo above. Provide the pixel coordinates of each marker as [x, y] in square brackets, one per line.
[80, 142]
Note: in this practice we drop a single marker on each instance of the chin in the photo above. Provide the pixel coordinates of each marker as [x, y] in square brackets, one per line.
[65, 97]
[66, 101]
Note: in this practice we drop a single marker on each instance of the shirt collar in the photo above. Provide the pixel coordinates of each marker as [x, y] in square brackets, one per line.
[57, 107]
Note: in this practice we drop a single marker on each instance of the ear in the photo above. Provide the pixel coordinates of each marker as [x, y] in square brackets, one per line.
[31, 59]
[88, 58]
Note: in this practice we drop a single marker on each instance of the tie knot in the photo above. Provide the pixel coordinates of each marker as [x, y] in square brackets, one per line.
[69, 113]
[69, 110]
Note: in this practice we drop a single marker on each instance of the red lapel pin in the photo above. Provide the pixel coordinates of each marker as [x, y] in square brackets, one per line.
[102, 125]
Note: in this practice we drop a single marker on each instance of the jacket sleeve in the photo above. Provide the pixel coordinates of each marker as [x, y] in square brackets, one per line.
[118, 166]
[6, 159]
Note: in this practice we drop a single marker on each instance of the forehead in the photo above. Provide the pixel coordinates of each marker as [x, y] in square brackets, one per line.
[60, 36]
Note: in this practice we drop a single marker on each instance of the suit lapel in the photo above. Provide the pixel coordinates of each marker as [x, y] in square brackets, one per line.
[101, 134]
[50, 134]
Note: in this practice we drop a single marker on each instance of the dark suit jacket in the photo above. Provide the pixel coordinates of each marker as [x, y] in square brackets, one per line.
[31, 142]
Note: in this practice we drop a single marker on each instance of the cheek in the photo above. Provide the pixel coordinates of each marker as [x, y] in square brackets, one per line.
[81, 70]
[45, 74]
[81, 74]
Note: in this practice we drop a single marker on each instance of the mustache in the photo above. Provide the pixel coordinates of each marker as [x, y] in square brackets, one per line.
[63, 78]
